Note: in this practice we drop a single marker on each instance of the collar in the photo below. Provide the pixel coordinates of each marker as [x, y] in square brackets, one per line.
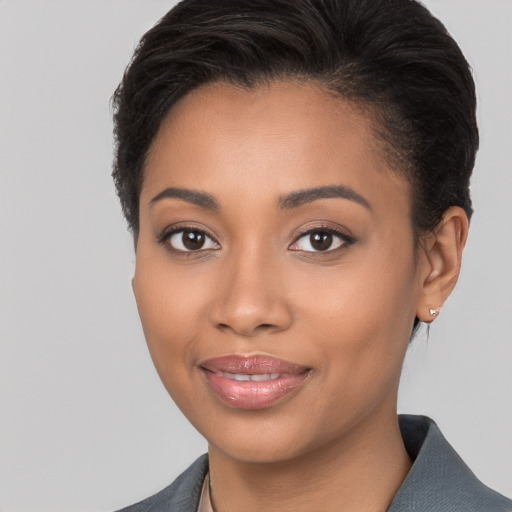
[438, 481]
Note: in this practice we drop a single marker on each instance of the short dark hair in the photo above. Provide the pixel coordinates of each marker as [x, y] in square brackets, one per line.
[390, 55]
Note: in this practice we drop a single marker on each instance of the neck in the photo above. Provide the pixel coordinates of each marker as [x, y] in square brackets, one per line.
[362, 471]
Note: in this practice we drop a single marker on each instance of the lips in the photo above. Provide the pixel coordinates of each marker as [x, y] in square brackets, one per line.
[252, 382]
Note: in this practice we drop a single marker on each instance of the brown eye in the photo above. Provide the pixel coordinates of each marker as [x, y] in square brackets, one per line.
[187, 240]
[321, 241]
[193, 240]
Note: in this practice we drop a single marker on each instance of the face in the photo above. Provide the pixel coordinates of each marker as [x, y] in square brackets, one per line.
[276, 276]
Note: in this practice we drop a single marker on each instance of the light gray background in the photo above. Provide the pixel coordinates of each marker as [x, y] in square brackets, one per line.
[85, 423]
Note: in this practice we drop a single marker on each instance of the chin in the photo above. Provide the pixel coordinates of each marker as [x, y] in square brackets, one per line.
[262, 451]
[257, 438]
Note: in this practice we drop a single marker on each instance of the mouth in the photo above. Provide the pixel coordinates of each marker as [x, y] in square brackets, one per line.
[252, 382]
[255, 377]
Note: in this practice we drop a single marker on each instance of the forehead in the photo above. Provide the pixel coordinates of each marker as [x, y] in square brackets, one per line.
[273, 138]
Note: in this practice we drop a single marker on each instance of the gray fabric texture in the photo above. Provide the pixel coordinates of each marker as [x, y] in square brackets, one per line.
[438, 481]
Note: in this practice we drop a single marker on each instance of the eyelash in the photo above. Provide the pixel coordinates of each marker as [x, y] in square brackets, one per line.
[347, 240]
[166, 235]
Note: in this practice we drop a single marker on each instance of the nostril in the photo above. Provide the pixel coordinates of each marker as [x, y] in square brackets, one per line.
[261, 326]
[246, 330]
[248, 318]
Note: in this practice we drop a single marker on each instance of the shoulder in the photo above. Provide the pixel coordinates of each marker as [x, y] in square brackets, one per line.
[181, 496]
[439, 481]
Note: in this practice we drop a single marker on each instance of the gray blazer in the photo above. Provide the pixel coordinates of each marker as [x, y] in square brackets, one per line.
[438, 481]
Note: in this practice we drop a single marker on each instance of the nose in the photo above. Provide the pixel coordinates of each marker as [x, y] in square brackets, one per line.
[251, 298]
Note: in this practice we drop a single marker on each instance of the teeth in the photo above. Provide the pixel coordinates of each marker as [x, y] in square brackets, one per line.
[255, 378]
[264, 376]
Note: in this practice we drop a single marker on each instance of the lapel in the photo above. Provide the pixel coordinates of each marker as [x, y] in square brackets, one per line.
[439, 481]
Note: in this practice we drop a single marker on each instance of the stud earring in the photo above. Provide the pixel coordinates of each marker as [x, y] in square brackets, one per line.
[433, 312]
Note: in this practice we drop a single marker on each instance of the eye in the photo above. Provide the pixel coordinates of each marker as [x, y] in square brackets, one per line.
[188, 240]
[320, 240]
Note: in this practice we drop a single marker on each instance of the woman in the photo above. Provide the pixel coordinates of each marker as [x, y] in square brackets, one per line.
[295, 175]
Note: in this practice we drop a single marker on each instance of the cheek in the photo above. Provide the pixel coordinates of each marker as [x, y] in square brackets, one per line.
[357, 326]
[361, 313]
[169, 304]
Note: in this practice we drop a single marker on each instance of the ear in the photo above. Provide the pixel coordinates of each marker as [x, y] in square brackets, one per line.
[441, 256]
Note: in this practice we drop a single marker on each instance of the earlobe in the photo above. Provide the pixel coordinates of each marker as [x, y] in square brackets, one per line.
[440, 263]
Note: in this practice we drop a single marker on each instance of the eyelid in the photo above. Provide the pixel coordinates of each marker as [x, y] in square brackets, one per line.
[163, 237]
[335, 231]
[165, 234]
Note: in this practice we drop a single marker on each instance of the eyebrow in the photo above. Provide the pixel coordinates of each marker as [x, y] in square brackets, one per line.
[288, 201]
[296, 199]
[201, 199]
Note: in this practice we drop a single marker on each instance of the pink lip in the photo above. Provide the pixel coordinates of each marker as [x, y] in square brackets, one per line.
[284, 378]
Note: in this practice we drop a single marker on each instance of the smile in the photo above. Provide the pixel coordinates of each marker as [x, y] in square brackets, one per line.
[253, 377]
[252, 382]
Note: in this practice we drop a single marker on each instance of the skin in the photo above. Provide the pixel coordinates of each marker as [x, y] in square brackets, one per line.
[258, 287]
